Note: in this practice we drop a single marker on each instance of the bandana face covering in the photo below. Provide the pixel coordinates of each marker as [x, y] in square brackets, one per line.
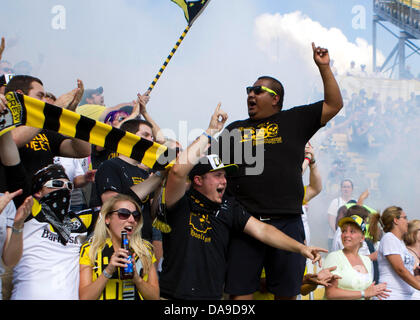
[58, 201]
[55, 206]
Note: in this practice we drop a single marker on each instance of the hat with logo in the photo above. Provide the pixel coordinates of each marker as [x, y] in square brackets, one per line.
[211, 163]
[355, 219]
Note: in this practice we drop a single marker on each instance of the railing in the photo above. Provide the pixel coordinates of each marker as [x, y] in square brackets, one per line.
[404, 13]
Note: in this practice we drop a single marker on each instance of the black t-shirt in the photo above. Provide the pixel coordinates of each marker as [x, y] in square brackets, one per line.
[118, 176]
[35, 155]
[278, 189]
[195, 251]
[41, 150]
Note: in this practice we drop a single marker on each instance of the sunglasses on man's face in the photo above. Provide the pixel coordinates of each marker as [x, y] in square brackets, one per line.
[124, 214]
[260, 89]
[59, 184]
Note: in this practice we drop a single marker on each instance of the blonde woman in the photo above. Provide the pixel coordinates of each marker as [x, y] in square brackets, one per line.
[395, 262]
[412, 242]
[102, 256]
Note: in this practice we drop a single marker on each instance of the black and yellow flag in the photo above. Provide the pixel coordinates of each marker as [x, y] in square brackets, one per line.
[24, 110]
[192, 9]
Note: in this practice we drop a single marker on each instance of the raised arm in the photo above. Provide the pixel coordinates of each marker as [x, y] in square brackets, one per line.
[157, 132]
[176, 185]
[315, 180]
[275, 238]
[333, 102]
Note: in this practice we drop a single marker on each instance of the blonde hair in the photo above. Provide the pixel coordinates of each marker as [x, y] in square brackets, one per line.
[411, 235]
[141, 247]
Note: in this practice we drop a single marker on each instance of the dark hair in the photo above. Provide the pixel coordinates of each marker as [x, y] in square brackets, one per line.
[346, 180]
[133, 125]
[357, 210]
[22, 82]
[277, 87]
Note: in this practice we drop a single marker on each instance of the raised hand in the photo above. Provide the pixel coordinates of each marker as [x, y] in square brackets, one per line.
[321, 55]
[218, 120]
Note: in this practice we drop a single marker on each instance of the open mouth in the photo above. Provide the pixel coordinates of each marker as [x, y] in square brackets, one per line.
[129, 229]
[220, 191]
[251, 103]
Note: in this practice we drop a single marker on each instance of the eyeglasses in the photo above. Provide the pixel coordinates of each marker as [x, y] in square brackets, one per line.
[259, 89]
[59, 184]
[124, 214]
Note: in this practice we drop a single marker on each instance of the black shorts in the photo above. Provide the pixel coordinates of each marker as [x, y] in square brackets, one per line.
[284, 269]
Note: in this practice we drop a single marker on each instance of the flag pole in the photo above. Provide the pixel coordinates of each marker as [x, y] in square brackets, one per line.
[178, 43]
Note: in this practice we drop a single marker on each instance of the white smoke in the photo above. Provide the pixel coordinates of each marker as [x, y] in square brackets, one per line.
[292, 32]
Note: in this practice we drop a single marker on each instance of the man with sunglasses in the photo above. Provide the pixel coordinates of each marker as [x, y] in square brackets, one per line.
[274, 193]
[52, 237]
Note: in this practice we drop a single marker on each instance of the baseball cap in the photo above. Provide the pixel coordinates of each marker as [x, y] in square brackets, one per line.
[211, 163]
[353, 219]
[89, 92]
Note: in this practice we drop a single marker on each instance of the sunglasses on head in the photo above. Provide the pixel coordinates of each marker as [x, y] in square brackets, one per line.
[260, 89]
[60, 184]
[124, 214]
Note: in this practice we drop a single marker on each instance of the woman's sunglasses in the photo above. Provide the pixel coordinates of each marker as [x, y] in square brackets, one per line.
[124, 214]
[59, 184]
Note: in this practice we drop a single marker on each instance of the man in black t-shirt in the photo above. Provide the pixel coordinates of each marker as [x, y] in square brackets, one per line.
[128, 176]
[201, 220]
[270, 147]
[38, 147]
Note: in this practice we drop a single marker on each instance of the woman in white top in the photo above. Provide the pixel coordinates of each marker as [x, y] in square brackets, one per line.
[396, 264]
[412, 242]
[355, 270]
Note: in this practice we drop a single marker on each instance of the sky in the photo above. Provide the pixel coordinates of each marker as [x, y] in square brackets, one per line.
[121, 45]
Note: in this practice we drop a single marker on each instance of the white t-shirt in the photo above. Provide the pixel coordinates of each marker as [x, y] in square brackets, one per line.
[7, 217]
[332, 210]
[48, 270]
[390, 244]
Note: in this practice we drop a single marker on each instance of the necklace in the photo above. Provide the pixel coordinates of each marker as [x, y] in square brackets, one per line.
[413, 252]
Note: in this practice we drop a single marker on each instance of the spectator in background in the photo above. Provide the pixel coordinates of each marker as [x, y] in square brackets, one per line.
[412, 242]
[100, 279]
[396, 264]
[93, 96]
[346, 194]
[355, 270]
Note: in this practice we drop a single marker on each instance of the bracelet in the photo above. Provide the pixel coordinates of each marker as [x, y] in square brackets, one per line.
[312, 161]
[106, 274]
[363, 294]
[208, 136]
[309, 159]
[14, 230]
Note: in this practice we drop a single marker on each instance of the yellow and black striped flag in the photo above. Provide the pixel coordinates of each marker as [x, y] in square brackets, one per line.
[192, 9]
[24, 110]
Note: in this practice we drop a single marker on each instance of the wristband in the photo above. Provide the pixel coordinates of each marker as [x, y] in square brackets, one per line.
[106, 274]
[208, 136]
[363, 294]
[14, 230]
[309, 159]
[312, 161]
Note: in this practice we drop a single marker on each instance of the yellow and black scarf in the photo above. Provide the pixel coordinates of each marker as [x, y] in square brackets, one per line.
[24, 110]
